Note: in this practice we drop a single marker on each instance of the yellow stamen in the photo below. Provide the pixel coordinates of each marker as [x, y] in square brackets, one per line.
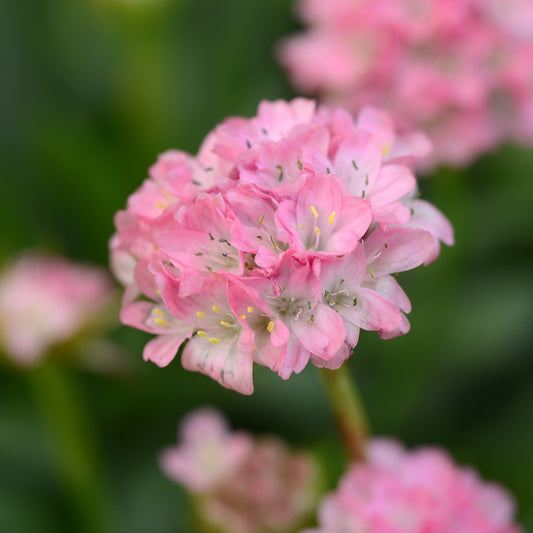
[160, 321]
[331, 217]
[301, 226]
[385, 149]
[317, 231]
[250, 309]
[161, 205]
[168, 193]
[216, 309]
[314, 211]
[158, 292]
[262, 218]
[199, 314]
[201, 333]
[270, 326]
[214, 340]
[372, 273]
[225, 324]
[243, 317]
[158, 312]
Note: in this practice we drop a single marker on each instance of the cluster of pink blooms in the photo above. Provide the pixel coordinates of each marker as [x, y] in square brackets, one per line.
[45, 302]
[244, 485]
[277, 243]
[418, 492]
[460, 70]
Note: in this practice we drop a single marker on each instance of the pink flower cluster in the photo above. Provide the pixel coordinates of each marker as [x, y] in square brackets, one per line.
[418, 492]
[459, 70]
[46, 301]
[244, 485]
[277, 243]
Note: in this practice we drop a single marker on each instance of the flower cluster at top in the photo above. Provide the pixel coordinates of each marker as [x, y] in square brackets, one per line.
[277, 243]
[45, 301]
[417, 492]
[460, 70]
[245, 485]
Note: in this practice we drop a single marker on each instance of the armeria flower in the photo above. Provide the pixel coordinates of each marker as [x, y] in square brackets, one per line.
[457, 69]
[239, 251]
[45, 302]
[241, 484]
[316, 330]
[223, 344]
[208, 452]
[321, 221]
[397, 491]
[154, 318]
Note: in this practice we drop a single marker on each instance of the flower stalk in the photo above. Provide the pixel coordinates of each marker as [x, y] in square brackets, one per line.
[347, 409]
[71, 437]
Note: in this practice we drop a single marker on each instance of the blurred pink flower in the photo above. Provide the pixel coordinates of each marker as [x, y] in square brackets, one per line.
[46, 301]
[208, 452]
[275, 245]
[423, 491]
[460, 70]
[242, 485]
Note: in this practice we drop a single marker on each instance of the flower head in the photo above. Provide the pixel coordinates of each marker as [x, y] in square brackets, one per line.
[397, 491]
[46, 301]
[240, 250]
[243, 485]
[457, 69]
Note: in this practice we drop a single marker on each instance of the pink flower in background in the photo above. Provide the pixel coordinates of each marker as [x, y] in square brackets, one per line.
[243, 485]
[46, 301]
[208, 454]
[276, 244]
[423, 491]
[459, 70]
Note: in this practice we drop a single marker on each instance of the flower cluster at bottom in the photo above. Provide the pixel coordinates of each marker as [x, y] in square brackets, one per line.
[277, 243]
[241, 484]
[397, 491]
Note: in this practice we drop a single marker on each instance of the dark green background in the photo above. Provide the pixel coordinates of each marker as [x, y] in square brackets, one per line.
[91, 92]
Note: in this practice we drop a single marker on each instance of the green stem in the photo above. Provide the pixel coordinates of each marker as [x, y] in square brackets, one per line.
[72, 442]
[347, 409]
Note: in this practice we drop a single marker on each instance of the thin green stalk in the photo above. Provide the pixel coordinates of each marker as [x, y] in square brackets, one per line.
[347, 410]
[73, 444]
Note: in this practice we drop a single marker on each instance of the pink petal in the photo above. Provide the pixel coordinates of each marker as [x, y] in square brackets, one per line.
[135, 314]
[162, 349]
[393, 213]
[377, 122]
[324, 336]
[294, 360]
[397, 250]
[335, 363]
[427, 217]
[223, 362]
[390, 289]
[358, 161]
[393, 182]
[373, 312]
[403, 327]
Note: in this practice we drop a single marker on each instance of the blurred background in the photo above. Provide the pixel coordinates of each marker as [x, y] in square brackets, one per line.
[91, 92]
